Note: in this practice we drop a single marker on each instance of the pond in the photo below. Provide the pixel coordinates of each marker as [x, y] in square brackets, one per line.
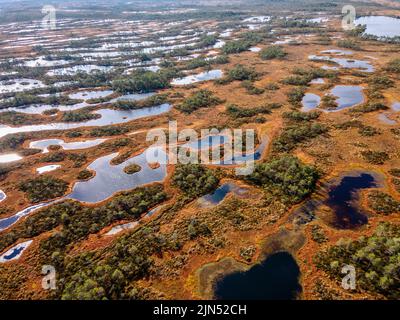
[203, 76]
[110, 179]
[76, 69]
[42, 62]
[3, 196]
[386, 120]
[220, 193]
[108, 117]
[9, 221]
[76, 145]
[341, 196]
[276, 278]
[9, 157]
[380, 26]
[317, 81]
[255, 49]
[48, 168]
[90, 94]
[360, 65]
[122, 227]
[338, 52]
[396, 106]
[18, 85]
[15, 252]
[310, 101]
[347, 96]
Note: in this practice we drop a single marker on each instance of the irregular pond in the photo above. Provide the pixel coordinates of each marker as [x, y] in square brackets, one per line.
[90, 94]
[386, 120]
[380, 26]
[77, 145]
[255, 49]
[8, 222]
[76, 69]
[10, 157]
[317, 81]
[126, 226]
[18, 85]
[15, 252]
[48, 168]
[396, 106]
[347, 96]
[108, 117]
[204, 76]
[42, 62]
[220, 193]
[310, 101]
[338, 52]
[361, 65]
[110, 179]
[276, 278]
[3, 196]
[341, 195]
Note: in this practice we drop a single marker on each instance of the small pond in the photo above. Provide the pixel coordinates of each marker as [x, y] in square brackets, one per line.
[76, 145]
[110, 179]
[48, 168]
[310, 101]
[380, 26]
[341, 196]
[15, 252]
[3, 196]
[108, 117]
[9, 157]
[204, 76]
[220, 193]
[276, 278]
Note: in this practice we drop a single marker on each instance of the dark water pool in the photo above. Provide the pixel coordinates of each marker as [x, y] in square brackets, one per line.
[277, 278]
[343, 197]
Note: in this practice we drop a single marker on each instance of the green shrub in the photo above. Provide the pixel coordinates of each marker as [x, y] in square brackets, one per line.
[393, 66]
[43, 188]
[132, 168]
[240, 72]
[292, 136]
[295, 95]
[141, 82]
[272, 52]
[286, 177]
[383, 203]
[236, 46]
[375, 157]
[317, 234]
[375, 259]
[200, 99]
[348, 44]
[194, 180]
[239, 112]
[301, 116]
[79, 116]
[85, 175]
[369, 107]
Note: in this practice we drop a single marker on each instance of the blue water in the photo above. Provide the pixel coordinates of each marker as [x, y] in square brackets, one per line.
[380, 26]
[14, 254]
[310, 101]
[276, 278]
[342, 198]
